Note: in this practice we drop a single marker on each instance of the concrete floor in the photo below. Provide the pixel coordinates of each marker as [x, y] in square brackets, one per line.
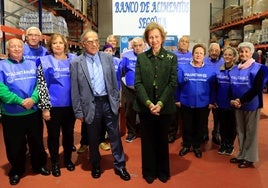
[212, 170]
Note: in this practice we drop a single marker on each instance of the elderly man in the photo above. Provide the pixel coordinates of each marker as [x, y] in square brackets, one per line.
[214, 59]
[95, 99]
[32, 48]
[184, 56]
[127, 70]
[20, 118]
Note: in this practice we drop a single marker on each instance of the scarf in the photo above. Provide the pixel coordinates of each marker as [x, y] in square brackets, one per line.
[246, 64]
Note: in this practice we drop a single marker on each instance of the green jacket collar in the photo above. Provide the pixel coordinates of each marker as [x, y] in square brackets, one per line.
[162, 53]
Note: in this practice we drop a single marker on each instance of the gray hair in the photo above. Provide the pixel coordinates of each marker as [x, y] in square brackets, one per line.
[214, 44]
[137, 40]
[246, 45]
[33, 28]
[11, 40]
[82, 37]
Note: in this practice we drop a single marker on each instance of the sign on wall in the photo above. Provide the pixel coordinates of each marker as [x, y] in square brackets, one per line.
[130, 17]
[169, 44]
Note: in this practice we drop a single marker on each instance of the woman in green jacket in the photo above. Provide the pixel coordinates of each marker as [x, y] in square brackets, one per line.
[155, 83]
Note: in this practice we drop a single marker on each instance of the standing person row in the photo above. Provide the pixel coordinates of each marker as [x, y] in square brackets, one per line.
[226, 113]
[20, 117]
[60, 118]
[196, 82]
[215, 60]
[246, 85]
[184, 56]
[126, 72]
[32, 50]
[95, 99]
[155, 83]
[107, 48]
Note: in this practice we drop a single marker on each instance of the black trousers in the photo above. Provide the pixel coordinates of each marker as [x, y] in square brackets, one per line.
[104, 114]
[62, 120]
[193, 120]
[84, 137]
[176, 123]
[154, 144]
[227, 126]
[216, 124]
[130, 112]
[18, 132]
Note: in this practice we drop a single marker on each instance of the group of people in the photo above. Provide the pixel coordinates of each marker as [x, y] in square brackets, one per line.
[233, 90]
[38, 88]
[162, 91]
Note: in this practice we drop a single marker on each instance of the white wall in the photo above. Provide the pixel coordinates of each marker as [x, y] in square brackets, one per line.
[200, 18]
[199, 27]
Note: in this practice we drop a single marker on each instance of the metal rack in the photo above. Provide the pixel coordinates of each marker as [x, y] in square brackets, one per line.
[237, 23]
[67, 11]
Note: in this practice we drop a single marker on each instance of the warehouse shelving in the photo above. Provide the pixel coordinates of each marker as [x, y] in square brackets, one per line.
[67, 11]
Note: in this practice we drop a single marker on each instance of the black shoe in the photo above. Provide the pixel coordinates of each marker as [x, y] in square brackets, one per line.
[216, 140]
[14, 180]
[95, 172]
[197, 152]
[43, 171]
[235, 160]
[245, 164]
[171, 138]
[184, 151]
[205, 139]
[130, 138]
[70, 166]
[149, 179]
[163, 179]
[124, 175]
[56, 170]
[73, 148]
[222, 149]
[229, 150]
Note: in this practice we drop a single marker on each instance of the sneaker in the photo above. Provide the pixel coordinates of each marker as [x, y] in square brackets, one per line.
[73, 148]
[222, 150]
[216, 139]
[229, 150]
[130, 138]
[82, 149]
[104, 146]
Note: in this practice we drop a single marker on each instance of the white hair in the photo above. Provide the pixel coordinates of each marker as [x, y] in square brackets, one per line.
[214, 44]
[33, 28]
[246, 45]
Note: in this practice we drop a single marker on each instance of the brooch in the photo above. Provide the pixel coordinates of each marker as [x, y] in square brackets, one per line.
[169, 56]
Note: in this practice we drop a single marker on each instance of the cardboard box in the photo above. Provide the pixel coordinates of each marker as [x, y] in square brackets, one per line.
[228, 11]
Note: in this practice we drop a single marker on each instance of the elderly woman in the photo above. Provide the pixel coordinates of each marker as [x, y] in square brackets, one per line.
[155, 83]
[60, 118]
[196, 81]
[113, 40]
[246, 86]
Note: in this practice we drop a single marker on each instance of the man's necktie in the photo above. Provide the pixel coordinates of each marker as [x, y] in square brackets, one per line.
[98, 80]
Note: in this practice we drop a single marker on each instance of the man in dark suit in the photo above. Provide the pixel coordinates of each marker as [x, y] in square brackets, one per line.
[95, 99]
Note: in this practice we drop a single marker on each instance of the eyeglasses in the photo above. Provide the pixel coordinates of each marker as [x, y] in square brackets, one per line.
[90, 42]
[33, 35]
